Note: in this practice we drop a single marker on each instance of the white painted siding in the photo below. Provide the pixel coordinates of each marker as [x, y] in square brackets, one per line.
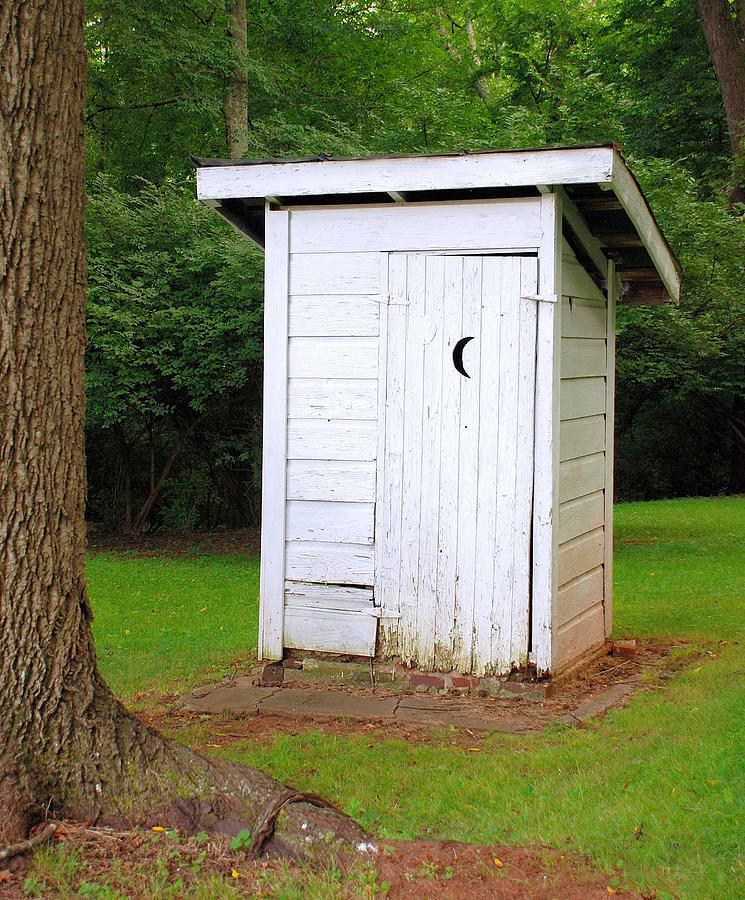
[339, 320]
[332, 397]
[582, 473]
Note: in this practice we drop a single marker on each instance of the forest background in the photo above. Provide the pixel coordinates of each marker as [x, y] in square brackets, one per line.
[174, 357]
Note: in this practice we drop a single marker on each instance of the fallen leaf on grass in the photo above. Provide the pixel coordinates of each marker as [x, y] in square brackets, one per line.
[157, 828]
[498, 863]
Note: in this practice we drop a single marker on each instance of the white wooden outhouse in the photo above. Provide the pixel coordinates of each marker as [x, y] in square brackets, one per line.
[438, 407]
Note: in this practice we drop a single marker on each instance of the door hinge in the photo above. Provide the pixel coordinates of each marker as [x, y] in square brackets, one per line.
[545, 298]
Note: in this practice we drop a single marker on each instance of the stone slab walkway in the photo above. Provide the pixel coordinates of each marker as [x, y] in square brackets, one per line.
[242, 696]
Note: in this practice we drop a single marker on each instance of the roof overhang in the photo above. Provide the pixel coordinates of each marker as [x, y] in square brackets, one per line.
[605, 213]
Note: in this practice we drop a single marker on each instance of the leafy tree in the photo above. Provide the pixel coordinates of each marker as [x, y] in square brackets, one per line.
[66, 744]
[681, 371]
[174, 332]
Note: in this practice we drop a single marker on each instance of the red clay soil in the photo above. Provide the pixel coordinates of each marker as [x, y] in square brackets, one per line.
[447, 870]
[411, 870]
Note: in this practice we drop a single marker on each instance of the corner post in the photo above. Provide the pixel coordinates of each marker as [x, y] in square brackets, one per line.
[546, 465]
[610, 399]
[274, 463]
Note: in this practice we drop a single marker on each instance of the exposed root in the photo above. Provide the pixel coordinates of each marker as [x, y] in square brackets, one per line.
[23, 846]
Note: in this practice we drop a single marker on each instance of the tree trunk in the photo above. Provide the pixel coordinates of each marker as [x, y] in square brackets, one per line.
[723, 29]
[66, 744]
[737, 450]
[235, 105]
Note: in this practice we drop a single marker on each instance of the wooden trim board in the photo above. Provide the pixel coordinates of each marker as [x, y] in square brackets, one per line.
[632, 200]
[609, 441]
[546, 482]
[274, 463]
[414, 173]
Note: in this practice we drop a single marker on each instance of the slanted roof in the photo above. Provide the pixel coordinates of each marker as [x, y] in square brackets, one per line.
[606, 214]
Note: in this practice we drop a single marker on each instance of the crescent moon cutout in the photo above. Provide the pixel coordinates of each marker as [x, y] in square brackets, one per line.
[458, 355]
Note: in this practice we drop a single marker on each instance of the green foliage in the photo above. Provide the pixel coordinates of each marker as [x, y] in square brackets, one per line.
[175, 298]
[242, 841]
[174, 350]
[174, 307]
[681, 371]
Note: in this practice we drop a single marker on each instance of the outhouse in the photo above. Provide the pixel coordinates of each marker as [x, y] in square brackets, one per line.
[438, 397]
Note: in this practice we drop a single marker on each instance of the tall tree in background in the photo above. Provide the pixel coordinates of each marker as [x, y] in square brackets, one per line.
[723, 24]
[66, 744]
[235, 104]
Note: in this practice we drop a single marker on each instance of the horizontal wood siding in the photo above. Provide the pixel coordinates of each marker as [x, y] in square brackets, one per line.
[330, 631]
[348, 481]
[327, 315]
[330, 563]
[469, 226]
[579, 624]
[332, 399]
[328, 596]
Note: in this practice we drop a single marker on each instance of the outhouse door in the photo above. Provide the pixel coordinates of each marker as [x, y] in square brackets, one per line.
[455, 475]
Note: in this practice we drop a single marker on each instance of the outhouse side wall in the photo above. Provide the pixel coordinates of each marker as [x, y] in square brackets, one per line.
[584, 474]
[336, 278]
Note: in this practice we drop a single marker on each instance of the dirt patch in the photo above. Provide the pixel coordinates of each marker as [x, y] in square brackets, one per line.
[454, 871]
[101, 861]
[241, 542]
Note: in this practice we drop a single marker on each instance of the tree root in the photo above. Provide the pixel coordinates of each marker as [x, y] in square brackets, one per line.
[23, 846]
[268, 819]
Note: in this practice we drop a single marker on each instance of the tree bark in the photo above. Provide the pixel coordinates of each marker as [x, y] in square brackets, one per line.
[66, 744]
[723, 28]
[235, 105]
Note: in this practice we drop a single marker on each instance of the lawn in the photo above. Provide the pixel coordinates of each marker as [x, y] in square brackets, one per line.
[168, 624]
[655, 790]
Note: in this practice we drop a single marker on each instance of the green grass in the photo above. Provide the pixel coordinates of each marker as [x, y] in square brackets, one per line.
[168, 624]
[672, 761]
[680, 568]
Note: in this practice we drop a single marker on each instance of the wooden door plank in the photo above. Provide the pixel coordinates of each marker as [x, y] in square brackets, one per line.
[468, 474]
[411, 486]
[506, 353]
[449, 427]
[489, 417]
[430, 473]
